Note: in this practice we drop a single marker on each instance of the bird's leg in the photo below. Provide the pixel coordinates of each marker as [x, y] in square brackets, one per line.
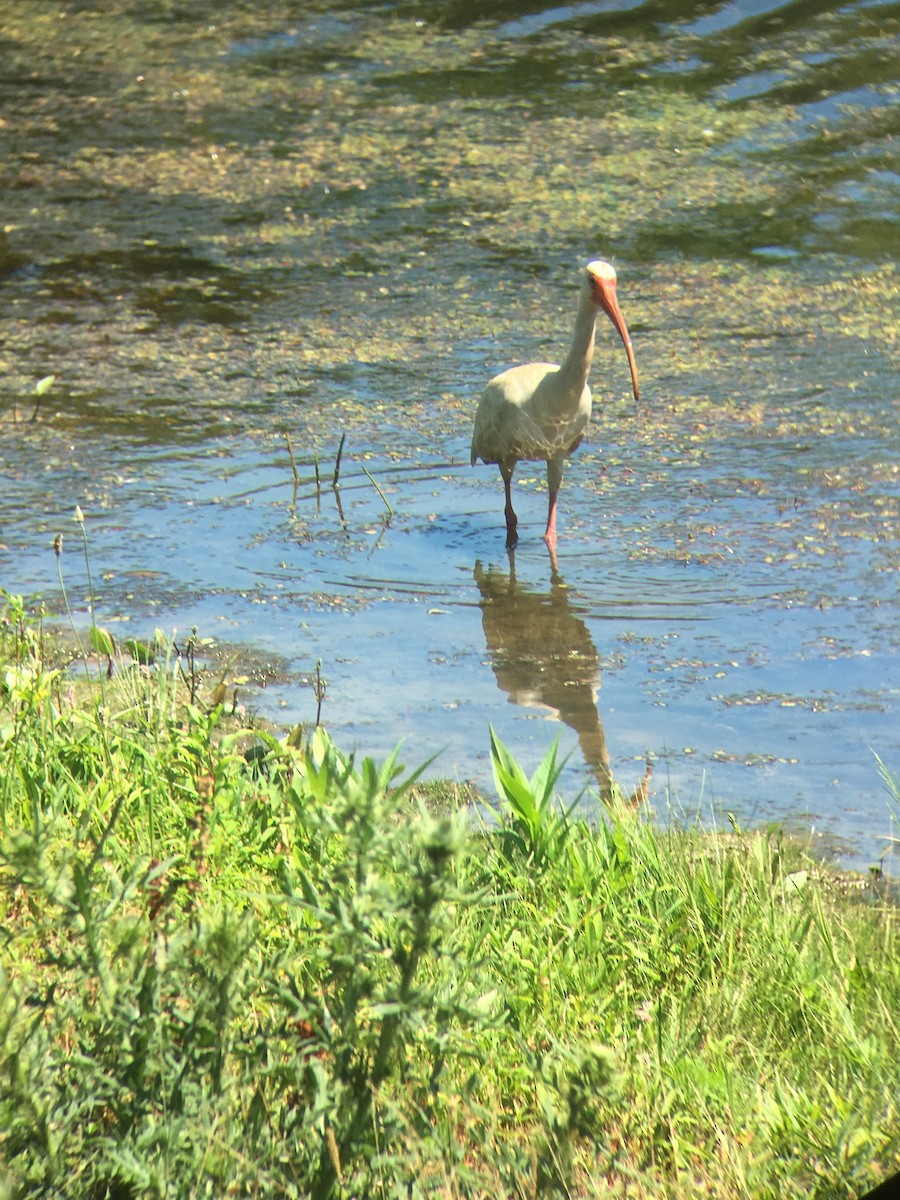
[506, 470]
[550, 532]
[554, 479]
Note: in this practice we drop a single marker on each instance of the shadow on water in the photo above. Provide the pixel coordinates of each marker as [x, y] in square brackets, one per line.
[543, 656]
[171, 282]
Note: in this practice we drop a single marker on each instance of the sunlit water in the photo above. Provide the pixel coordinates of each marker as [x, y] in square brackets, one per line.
[716, 613]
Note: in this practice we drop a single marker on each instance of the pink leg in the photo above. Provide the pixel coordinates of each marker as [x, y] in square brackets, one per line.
[550, 533]
[554, 479]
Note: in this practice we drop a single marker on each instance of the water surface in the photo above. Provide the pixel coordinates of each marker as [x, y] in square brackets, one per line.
[238, 227]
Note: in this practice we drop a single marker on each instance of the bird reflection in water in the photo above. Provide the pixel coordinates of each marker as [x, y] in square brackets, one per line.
[543, 656]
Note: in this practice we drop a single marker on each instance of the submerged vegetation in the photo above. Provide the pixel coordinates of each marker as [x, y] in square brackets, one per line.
[236, 965]
[232, 228]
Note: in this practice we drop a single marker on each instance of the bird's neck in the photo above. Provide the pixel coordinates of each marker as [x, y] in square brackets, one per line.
[577, 364]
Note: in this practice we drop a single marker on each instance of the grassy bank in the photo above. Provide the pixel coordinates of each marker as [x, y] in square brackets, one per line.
[234, 965]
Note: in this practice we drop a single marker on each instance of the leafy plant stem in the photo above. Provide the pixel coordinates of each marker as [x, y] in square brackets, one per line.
[390, 511]
[290, 450]
[337, 461]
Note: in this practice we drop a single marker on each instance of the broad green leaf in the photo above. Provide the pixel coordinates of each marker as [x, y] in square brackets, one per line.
[102, 641]
[139, 651]
[796, 882]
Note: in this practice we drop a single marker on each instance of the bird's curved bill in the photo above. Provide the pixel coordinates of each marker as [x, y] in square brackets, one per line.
[605, 292]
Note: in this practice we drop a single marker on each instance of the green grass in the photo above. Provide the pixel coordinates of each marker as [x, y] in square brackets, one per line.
[235, 966]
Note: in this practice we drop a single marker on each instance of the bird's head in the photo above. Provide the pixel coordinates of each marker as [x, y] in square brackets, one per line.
[601, 283]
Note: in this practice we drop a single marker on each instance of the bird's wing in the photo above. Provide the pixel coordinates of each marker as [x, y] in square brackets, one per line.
[505, 432]
[505, 427]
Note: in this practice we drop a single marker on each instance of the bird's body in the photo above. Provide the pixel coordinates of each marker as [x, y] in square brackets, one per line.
[518, 416]
[540, 411]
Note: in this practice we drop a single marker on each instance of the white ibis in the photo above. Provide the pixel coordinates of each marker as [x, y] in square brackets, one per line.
[540, 411]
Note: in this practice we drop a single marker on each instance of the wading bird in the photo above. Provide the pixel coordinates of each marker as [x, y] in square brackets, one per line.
[540, 411]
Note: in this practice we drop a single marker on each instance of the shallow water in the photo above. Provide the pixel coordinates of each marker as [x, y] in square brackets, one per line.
[221, 234]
